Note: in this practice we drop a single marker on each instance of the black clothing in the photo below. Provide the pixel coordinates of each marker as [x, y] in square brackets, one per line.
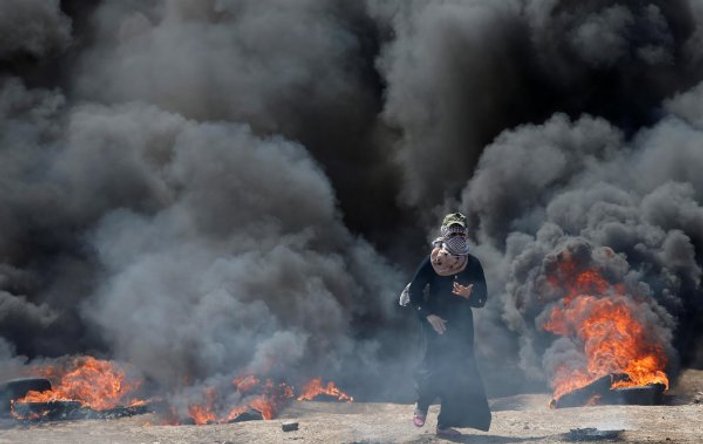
[448, 368]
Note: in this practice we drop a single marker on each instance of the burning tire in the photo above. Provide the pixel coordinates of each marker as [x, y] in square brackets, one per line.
[18, 388]
[642, 395]
[600, 391]
[583, 395]
[49, 410]
[249, 415]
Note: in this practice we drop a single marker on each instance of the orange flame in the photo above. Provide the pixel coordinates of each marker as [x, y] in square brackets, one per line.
[269, 400]
[266, 398]
[580, 282]
[97, 384]
[245, 383]
[615, 342]
[102, 385]
[315, 388]
[204, 413]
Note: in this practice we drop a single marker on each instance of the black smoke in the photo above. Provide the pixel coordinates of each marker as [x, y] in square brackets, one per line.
[202, 188]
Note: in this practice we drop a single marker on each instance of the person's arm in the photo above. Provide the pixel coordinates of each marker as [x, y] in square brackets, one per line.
[479, 291]
[417, 287]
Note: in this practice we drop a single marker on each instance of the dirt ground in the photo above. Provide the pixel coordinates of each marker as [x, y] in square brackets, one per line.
[517, 419]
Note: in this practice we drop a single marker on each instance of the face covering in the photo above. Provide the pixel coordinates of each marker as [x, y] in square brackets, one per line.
[445, 262]
[456, 245]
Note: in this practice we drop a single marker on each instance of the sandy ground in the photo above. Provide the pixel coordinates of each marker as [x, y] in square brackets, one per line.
[518, 419]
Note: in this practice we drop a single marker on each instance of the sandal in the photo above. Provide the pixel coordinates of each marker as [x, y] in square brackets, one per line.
[448, 432]
[419, 417]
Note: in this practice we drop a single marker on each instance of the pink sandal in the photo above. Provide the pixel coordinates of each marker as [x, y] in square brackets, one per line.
[419, 418]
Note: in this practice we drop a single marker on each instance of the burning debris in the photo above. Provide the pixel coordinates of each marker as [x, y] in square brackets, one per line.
[316, 388]
[624, 361]
[601, 391]
[586, 395]
[82, 387]
[95, 383]
[649, 394]
[246, 398]
[255, 399]
[18, 388]
[89, 388]
[68, 410]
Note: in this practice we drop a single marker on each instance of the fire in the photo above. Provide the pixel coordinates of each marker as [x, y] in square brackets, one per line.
[204, 413]
[315, 388]
[102, 385]
[266, 398]
[575, 282]
[271, 398]
[245, 383]
[96, 384]
[615, 341]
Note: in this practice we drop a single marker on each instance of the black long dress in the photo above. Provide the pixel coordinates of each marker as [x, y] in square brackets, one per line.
[448, 367]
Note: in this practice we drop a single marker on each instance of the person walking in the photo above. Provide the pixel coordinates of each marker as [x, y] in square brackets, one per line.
[456, 284]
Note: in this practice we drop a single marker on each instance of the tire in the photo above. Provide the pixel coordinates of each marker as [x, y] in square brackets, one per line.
[18, 388]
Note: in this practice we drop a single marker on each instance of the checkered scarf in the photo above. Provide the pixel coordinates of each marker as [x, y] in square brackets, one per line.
[449, 251]
[454, 243]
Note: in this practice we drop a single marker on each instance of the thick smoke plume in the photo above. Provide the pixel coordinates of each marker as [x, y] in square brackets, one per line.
[33, 27]
[204, 188]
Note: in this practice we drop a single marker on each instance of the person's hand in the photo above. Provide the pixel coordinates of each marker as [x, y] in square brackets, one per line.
[463, 291]
[438, 324]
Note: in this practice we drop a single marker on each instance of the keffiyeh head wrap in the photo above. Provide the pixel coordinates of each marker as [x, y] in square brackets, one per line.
[456, 245]
[450, 250]
[446, 231]
[453, 234]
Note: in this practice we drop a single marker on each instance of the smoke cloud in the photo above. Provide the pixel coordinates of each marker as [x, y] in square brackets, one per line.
[624, 208]
[203, 188]
[33, 27]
